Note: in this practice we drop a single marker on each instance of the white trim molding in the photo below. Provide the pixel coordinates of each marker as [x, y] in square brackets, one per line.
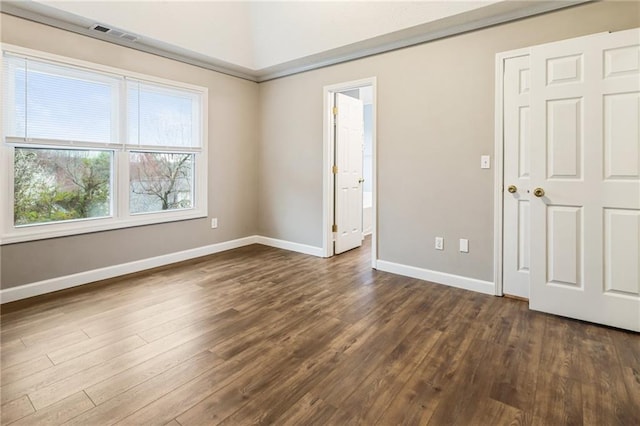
[466, 283]
[60, 283]
[291, 246]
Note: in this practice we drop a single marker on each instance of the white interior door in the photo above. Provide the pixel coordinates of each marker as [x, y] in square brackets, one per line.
[517, 173]
[349, 140]
[585, 155]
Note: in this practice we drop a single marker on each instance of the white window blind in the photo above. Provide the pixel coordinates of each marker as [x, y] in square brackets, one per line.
[54, 102]
[160, 116]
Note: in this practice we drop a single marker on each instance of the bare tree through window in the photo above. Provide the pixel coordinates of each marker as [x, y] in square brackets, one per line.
[160, 181]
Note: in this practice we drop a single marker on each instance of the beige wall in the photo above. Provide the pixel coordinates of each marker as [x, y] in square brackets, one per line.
[233, 138]
[435, 119]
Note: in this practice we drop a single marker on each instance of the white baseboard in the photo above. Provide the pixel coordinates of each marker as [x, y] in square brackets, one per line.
[68, 281]
[480, 286]
[288, 245]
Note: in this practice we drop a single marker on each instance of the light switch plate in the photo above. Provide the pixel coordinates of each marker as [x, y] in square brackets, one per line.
[485, 162]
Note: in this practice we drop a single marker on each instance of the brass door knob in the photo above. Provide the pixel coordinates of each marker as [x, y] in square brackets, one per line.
[512, 189]
[538, 192]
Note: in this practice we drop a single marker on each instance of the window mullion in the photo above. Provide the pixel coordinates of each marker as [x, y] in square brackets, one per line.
[122, 186]
[6, 181]
[66, 144]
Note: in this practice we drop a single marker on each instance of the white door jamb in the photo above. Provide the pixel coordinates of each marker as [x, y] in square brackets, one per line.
[327, 164]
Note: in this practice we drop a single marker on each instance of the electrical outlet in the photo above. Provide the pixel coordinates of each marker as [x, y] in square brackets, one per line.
[485, 162]
[214, 223]
[439, 243]
[464, 245]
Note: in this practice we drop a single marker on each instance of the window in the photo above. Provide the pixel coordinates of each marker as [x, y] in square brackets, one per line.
[52, 185]
[90, 148]
[160, 181]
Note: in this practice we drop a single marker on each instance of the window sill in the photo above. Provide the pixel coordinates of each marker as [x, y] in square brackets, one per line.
[47, 231]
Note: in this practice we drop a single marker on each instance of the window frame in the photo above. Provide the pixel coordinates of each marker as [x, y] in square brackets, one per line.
[120, 214]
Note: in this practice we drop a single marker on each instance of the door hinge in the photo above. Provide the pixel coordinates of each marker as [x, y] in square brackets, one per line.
[335, 111]
[334, 228]
[334, 169]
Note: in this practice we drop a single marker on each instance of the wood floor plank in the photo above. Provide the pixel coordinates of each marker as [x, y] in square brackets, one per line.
[309, 410]
[594, 362]
[15, 410]
[560, 355]
[631, 377]
[118, 318]
[273, 327]
[414, 404]
[191, 393]
[253, 379]
[44, 396]
[265, 407]
[263, 335]
[418, 400]
[342, 380]
[17, 330]
[628, 346]
[609, 403]
[491, 412]
[372, 397]
[558, 401]
[139, 396]
[160, 320]
[130, 300]
[69, 352]
[58, 413]
[37, 385]
[466, 391]
[24, 369]
[515, 375]
[200, 316]
[139, 373]
[18, 355]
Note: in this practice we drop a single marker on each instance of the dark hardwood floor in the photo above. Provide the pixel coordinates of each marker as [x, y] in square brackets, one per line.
[261, 335]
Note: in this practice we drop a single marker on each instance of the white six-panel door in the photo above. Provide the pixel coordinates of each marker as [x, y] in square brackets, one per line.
[349, 140]
[585, 156]
[517, 172]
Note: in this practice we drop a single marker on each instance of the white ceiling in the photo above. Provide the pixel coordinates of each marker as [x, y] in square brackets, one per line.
[260, 34]
[265, 39]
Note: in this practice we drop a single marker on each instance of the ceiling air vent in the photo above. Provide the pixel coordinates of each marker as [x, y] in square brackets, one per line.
[129, 37]
[114, 33]
[100, 28]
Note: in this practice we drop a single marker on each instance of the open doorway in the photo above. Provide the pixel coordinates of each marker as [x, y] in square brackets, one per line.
[349, 166]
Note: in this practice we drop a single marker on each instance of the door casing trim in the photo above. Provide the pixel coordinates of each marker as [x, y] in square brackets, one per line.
[327, 163]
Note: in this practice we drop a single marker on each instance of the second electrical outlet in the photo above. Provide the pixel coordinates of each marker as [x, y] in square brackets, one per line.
[439, 243]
